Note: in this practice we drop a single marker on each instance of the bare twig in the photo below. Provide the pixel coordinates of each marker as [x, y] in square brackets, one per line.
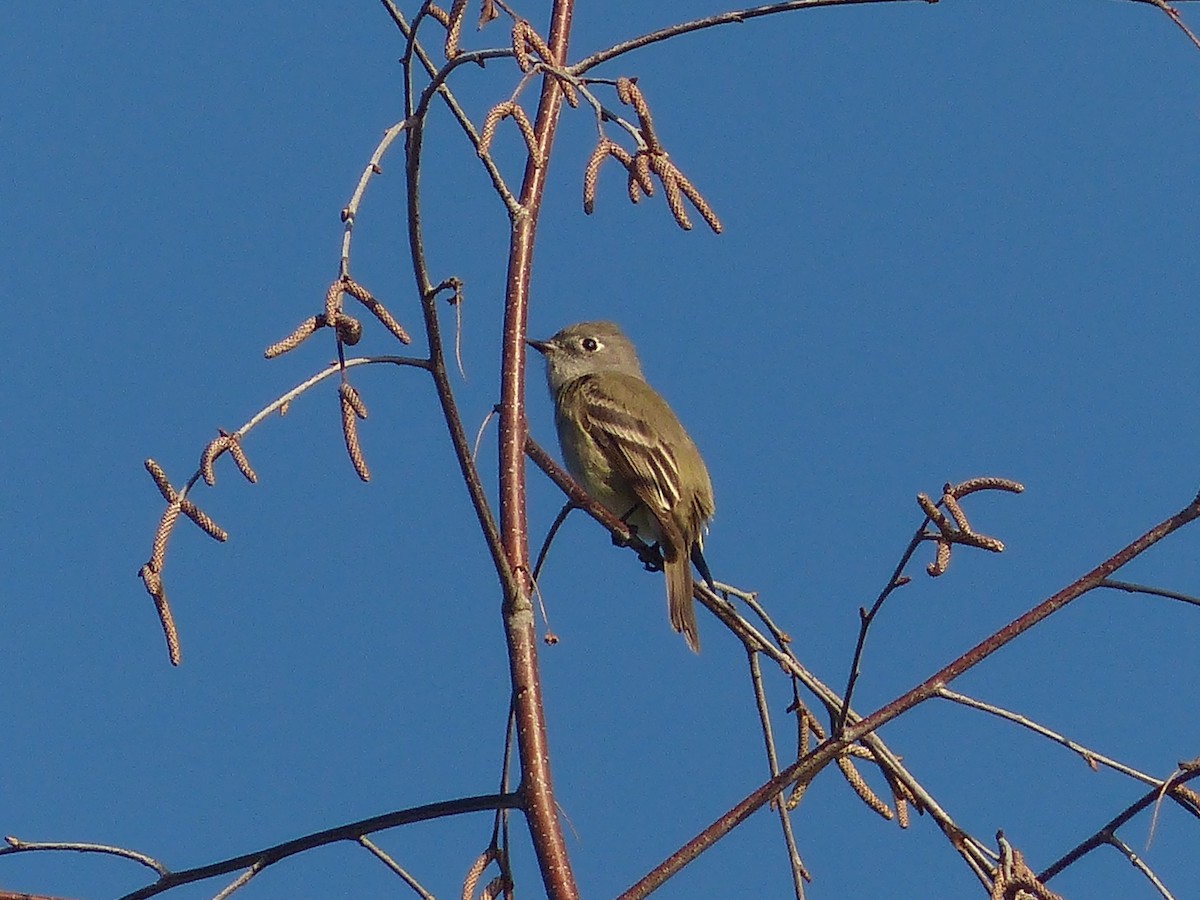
[1101, 837]
[1140, 864]
[555, 525]
[806, 768]
[750, 598]
[387, 860]
[238, 882]
[951, 494]
[1173, 15]
[727, 18]
[800, 873]
[177, 501]
[1091, 757]
[349, 832]
[451, 101]
[1131, 588]
[16, 845]
[350, 210]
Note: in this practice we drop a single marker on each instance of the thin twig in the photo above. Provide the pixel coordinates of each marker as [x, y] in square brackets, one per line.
[867, 617]
[1131, 588]
[799, 871]
[960, 532]
[557, 524]
[1173, 15]
[460, 115]
[350, 210]
[1020, 625]
[16, 845]
[387, 860]
[727, 18]
[1091, 757]
[1140, 864]
[238, 882]
[1101, 837]
[151, 573]
[750, 598]
[349, 832]
[480, 433]
[806, 768]
[437, 366]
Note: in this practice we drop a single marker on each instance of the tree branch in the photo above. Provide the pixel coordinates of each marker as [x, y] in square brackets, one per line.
[728, 18]
[541, 810]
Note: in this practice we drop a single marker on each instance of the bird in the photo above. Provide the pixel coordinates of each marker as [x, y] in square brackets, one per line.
[625, 446]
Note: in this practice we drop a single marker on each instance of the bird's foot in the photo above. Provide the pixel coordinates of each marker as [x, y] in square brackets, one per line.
[652, 558]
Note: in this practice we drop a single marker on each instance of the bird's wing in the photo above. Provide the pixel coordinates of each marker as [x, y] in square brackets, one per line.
[616, 412]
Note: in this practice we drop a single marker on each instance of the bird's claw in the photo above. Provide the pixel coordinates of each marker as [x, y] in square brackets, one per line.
[652, 558]
[620, 541]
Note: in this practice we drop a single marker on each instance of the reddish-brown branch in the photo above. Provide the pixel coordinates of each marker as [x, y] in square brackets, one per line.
[540, 808]
[806, 768]
[1051, 605]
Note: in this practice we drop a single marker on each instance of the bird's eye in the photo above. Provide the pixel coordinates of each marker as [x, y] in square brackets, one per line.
[591, 345]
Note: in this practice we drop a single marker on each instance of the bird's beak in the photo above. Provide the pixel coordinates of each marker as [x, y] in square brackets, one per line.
[542, 347]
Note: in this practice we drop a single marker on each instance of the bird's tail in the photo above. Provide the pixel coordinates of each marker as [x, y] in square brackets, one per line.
[679, 599]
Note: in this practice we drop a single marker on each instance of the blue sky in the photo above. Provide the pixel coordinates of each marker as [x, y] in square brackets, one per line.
[960, 239]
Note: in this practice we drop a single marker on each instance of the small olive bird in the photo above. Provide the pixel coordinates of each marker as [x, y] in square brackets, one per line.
[624, 445]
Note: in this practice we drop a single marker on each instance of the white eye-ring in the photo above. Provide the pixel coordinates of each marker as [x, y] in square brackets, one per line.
[591, 345]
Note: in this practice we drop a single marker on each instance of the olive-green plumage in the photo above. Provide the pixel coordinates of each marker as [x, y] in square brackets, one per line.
[622, 442]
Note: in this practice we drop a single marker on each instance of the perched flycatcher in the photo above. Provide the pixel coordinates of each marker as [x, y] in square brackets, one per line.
[624, 445]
